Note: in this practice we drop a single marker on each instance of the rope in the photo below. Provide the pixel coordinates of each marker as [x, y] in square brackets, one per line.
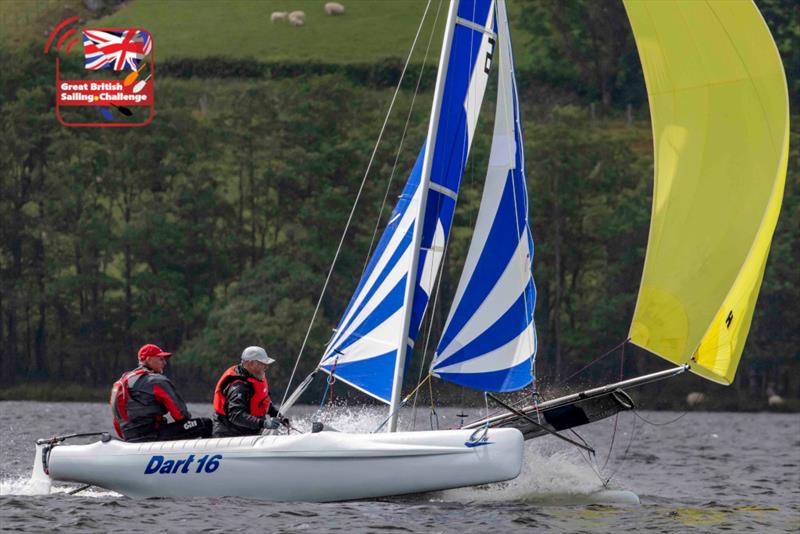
[582, 369]
[616, 416]
[331, 380]
[624, 455]
[401, 404]
[636, 413]
[355, 203]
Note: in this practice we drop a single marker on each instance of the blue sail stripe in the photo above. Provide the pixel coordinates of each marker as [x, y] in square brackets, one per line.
[498, 250]
[390, 265]
[510, 379]
[368, 375]
[507, 327]
[400, 209]
[387, 308]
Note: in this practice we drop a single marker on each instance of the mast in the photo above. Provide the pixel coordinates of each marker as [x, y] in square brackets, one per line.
[411, 284]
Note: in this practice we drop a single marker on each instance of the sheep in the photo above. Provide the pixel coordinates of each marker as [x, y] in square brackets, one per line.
[694, 398]
[334, 8]
[278, 16]
[297, 18]
[775, 401]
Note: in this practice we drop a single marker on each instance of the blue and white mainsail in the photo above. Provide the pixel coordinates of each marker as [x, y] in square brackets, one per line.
[383, 317]
[489, 340]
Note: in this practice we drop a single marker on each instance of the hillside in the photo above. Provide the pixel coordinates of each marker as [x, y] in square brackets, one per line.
[214, 227]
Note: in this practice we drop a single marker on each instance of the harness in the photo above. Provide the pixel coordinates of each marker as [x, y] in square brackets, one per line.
[259, 402]
[120, 394]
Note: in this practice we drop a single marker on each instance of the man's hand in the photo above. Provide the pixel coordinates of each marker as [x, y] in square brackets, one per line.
[285, 422]
[271, 423]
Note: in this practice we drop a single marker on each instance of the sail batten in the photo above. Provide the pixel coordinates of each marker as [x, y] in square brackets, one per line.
[719, 108]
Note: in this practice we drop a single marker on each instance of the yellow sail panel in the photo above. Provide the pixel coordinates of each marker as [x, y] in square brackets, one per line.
[719, 109]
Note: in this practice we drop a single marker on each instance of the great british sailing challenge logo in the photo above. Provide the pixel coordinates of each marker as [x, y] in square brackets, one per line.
[112, 84]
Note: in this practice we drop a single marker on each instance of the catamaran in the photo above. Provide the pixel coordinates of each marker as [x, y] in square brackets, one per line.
[719, 107]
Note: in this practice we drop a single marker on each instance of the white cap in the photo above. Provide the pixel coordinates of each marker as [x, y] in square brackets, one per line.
[256, 354]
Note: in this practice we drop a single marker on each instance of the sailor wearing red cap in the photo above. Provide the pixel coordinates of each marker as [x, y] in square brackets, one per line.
[141, 398]
[242, 405]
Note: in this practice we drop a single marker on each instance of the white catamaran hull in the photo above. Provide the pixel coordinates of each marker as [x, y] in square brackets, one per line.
[326, 466]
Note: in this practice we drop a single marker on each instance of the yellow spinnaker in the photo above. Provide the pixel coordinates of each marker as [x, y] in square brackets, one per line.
[720, 115]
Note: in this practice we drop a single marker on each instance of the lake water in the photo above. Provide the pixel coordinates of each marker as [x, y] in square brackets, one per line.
[705, 472]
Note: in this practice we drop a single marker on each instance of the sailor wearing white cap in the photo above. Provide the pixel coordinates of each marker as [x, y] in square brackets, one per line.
[242, 406]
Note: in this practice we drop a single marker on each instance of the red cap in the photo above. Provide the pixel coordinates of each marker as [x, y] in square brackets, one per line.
[152, 350]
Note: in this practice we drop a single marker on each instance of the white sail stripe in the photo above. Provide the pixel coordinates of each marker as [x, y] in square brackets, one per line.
[508, 288]
[501, 160]
[493, 192]
[512, 353]
[477, 88]
[504, 147]
[478, 80]
[403, 263]
[395, 275]
[380, 340]
[400, 232]
[432, 260]
[504, 151]
[505, 118]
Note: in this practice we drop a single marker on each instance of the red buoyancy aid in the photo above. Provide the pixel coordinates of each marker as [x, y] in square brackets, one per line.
[259, 402]
[120, 393]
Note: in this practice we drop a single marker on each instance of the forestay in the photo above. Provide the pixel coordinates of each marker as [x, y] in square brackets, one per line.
[489, 340]
[364, 348]
[720, 116]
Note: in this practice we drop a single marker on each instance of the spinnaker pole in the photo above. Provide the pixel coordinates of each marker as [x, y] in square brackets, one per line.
[499, 420]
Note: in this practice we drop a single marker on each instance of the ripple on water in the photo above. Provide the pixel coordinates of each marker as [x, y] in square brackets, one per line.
[555, 490]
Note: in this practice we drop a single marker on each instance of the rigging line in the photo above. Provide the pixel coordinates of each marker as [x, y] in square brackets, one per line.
[583, 440]
[582, 369]
[616, 416]
[534, 423]
[355, 203]
[624, 454]
[403, 137]
[401, 404]
[681, 416]
[594, 469]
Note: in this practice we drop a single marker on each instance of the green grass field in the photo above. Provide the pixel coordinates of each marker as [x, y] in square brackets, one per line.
[23, 21]
[369, 30]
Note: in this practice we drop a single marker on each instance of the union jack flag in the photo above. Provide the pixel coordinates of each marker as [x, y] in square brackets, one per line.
[119, 50]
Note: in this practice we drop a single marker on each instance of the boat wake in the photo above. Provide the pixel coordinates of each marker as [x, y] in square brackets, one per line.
[551, 475]
[25, 486]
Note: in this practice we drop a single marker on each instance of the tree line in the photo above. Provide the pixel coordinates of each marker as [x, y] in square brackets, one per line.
[213, 228]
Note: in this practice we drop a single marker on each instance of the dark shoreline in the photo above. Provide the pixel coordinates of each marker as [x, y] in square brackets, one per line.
[715, 401]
